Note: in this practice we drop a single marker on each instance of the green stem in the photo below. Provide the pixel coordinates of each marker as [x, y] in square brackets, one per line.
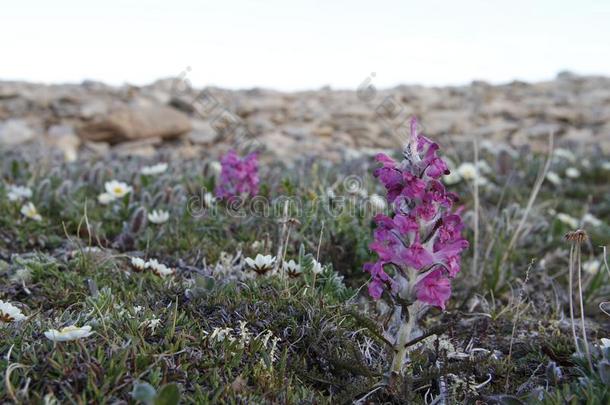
[404, 336]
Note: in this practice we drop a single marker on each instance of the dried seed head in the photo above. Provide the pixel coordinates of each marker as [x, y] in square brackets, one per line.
[43, 189]
[63, 191]
[97, 175]
[578, 236]
[294, 222]
[138, 220]
[157, 199]
[167, 198]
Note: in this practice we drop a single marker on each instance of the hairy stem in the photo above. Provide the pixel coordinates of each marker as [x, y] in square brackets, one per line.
[582, 310]
[570, 291]
[404, 336]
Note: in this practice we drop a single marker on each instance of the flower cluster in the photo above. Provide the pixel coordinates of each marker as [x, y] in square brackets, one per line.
[265, 266]
[422, 241]
[239, 176]
[159, 269]
[19, 194]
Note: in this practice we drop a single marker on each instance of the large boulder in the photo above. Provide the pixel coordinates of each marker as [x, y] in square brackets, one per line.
[131, 123]
[15, 131]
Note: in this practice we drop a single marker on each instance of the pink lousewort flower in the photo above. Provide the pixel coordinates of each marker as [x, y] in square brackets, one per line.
[420, 244]
[239, 176]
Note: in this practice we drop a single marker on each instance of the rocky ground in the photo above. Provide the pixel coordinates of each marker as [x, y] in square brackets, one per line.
[94, 118]
[155, 289]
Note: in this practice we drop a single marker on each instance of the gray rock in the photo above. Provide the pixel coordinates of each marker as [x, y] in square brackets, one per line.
[93, 108]
[63, 138]
[133, 123]
[202, 133]
[15, 131]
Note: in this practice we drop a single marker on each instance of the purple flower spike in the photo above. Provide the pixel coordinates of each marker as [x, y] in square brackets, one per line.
[422, 240]
[239, 176]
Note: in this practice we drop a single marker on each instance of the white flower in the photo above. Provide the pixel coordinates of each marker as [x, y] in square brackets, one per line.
[572, 172]
[137, 309]
[261, 264]
[151, 324]
[244, 334]
[86, 250]
[216, 167]
[10, 313]
[158, 217]
[105, 198]
[209, 200]
[138, 264]
[220, 334]
[18, 193]
[568, 220]
[68, 333]
[29, 211]
[590, 219]
[257, 245]
[117, 189]
[377, 202]
[553, 178]
[317, 267]
[159, 268]
[292, 268]
[330, 193]
[592, 266]
[564, 154]
[154, 170]
[467, 171]
[452, 178]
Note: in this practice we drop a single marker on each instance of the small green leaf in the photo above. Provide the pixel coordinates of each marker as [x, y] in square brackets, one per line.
[169, 394]
[144, 392]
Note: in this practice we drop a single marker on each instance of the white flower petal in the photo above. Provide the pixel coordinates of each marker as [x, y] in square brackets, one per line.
[29, 210]
[572, 172]
[68, 333]
[105, 198]
[10, 313]
[154, 170]
[568, 220]
[158, 217]
[117, 189]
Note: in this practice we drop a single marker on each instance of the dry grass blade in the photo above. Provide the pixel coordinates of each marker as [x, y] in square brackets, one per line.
[532, 199]
[7, 379]
[517, 316]
[475, 248]
[582, 309]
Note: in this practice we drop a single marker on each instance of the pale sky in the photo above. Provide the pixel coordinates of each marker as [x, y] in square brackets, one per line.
[294, 44]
